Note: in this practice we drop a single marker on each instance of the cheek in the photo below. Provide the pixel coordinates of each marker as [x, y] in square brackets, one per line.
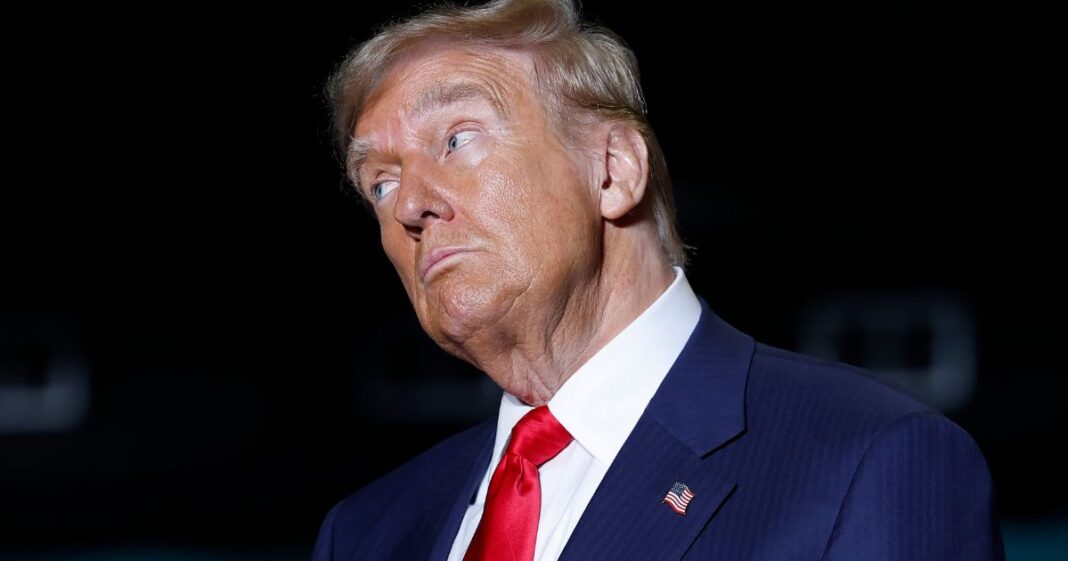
[506, 206]
[537, 208]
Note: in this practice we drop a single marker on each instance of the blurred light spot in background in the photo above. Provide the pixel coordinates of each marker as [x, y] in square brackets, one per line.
[1035, 540]
[44, 379]
[922, 341]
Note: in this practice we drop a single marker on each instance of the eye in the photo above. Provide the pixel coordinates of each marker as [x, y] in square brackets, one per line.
[459, 139]
[381, 189]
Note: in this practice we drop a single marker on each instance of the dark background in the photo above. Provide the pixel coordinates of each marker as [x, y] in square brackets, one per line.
[176, 234]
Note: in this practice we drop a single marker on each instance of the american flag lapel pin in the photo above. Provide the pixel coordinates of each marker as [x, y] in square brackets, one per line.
[679, 497]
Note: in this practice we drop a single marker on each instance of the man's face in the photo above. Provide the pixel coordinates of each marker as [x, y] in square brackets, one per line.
[489, 220]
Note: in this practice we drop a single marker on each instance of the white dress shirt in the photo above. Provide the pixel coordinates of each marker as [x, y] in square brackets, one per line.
[599, 405]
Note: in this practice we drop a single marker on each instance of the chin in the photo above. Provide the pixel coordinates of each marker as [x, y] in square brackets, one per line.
[458, 307]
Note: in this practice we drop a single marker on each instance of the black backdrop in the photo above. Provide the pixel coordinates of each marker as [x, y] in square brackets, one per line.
[173, 219]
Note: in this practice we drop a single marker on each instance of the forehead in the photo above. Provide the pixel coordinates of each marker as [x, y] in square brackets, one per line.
[437, 74]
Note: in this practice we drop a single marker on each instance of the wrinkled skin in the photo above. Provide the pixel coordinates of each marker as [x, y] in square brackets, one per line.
[548, 265]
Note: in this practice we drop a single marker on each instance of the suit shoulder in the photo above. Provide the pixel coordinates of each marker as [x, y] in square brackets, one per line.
[836, 392]
[843, 417]
[925, 477]
[415, 476]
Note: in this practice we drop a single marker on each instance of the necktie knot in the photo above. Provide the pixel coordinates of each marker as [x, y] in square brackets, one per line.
[509, 525]
[538, 436]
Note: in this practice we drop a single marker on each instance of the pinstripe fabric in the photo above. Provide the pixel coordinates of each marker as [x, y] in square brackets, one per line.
[789, 458]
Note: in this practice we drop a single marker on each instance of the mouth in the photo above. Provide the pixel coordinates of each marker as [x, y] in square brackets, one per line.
[436, 259]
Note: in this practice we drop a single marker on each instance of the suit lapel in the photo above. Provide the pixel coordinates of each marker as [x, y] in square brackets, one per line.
[447, 499]
[698, 409]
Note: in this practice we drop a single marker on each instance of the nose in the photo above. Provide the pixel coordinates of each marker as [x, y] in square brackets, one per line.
[421, 201]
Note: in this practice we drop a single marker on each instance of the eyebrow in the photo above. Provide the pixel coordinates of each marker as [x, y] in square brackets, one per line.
[427, 102]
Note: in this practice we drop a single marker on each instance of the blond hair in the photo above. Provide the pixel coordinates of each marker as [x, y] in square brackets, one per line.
[584, 71]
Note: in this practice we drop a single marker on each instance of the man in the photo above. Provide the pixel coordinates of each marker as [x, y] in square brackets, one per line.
[524, 202]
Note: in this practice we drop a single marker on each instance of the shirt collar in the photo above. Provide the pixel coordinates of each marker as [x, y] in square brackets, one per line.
[602, 401]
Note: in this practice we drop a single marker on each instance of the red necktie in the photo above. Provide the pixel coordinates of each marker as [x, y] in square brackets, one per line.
[509, 525]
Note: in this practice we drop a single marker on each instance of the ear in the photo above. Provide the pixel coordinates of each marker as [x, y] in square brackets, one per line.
[626, 170]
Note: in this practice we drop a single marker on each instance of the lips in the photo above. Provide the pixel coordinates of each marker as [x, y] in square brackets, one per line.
[429, 260]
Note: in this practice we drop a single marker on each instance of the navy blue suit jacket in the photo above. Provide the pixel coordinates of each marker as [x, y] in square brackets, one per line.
[789, 458]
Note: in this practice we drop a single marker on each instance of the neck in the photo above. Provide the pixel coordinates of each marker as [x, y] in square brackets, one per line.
[534, 362]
